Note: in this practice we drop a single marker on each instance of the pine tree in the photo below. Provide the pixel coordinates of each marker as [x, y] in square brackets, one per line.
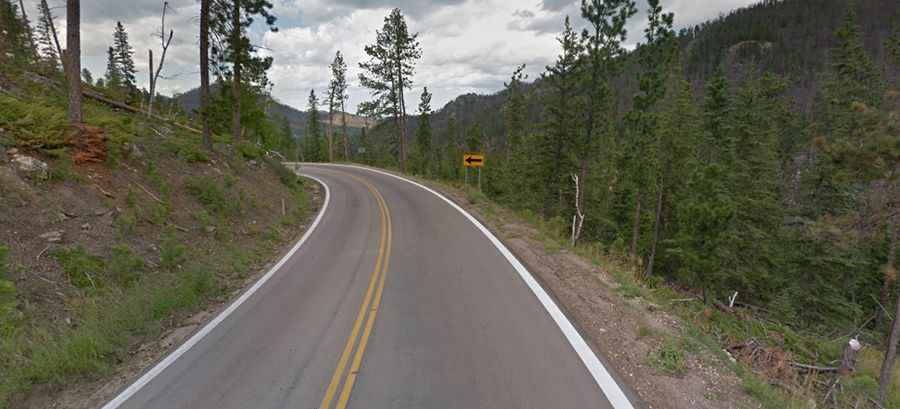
[515, 110]
[563, 107]
[423, 136]
[337, 97]
[47, 41]
[852, 78]
[14, 40]
[511, 166]
[313, 143]
[124, 58]
[234, 55]
[602, 43]
[757, 185]
[704, 211]
[389, 71]
[717, 146]
[655, 57]
[113, 76]
[452, 149]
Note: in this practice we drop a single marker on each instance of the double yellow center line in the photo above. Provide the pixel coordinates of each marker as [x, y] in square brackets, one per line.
[367, 312]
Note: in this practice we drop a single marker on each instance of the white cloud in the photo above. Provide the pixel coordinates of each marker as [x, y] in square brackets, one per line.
[468, 45]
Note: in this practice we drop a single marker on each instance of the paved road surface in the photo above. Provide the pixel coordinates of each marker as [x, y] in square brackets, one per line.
[394, 300]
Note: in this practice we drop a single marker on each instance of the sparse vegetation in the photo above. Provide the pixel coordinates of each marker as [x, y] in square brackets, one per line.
[82, 268]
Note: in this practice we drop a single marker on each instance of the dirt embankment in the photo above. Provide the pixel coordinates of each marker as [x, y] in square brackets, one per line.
[109, 264]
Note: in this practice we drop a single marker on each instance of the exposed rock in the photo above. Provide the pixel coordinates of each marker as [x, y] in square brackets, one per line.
[31, 167]
[253, 163]
[86, 226]
[53, 236]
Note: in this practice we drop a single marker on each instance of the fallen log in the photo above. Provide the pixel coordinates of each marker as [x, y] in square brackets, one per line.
[98, 97]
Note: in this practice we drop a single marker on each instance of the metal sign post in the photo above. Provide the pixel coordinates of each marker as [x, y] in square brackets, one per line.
[473, 160]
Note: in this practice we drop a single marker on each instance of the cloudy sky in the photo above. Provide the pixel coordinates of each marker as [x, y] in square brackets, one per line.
[468, 45]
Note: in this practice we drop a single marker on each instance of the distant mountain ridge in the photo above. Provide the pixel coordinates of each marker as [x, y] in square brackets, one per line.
[791, 38]
[297, 119]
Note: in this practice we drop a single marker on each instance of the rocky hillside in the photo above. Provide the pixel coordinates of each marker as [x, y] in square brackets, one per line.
[108, 244]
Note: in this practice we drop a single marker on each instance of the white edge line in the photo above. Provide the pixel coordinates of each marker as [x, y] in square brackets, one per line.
[605, 381]
[198, 336]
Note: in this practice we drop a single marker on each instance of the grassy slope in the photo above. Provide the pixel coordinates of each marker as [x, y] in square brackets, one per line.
[156, 233]
[711, 329]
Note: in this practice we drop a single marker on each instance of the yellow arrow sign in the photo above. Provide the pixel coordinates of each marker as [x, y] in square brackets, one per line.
[473, 160]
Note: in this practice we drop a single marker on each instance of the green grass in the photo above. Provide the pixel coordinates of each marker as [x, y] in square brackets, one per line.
[92, 347]
[668, 359]
[7, 297]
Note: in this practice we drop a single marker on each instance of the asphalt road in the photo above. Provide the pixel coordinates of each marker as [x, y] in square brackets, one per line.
[394, 300]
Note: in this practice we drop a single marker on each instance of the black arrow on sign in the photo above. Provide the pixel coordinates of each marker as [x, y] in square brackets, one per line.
[471, 160]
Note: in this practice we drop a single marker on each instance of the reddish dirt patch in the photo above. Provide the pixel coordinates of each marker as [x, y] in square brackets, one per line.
[88, 144]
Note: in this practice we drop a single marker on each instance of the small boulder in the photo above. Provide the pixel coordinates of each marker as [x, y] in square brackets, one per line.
[53, 236]
[31, 167]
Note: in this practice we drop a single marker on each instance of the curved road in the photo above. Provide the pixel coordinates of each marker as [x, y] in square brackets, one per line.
[394, 299]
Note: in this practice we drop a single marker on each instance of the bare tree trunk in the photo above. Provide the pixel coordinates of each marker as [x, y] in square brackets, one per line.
[330, 132]
[152, 83]
[636, 227]
[204, 72]
[344, 130]
[59, 50]
[236, 71]
[578, 219]
[890, 273]
[656, 223]
[402, 119]
[73, 56]
[887, 367]
[154, 75]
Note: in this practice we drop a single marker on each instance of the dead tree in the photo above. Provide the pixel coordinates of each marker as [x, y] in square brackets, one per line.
[73, 59]
[578, 217]
[164, 42]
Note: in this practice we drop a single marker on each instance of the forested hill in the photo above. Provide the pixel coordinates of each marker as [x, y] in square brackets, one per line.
[298, 119]
[788, 37]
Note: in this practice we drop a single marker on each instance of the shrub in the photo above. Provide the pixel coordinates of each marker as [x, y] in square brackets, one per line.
[80, 267]
[249, 150]
[211, 195]
[171, 253]
[287, 177]
[32, 124]
[124, 267]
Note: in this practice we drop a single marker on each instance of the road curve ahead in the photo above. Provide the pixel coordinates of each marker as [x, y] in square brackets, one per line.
[394, 299]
